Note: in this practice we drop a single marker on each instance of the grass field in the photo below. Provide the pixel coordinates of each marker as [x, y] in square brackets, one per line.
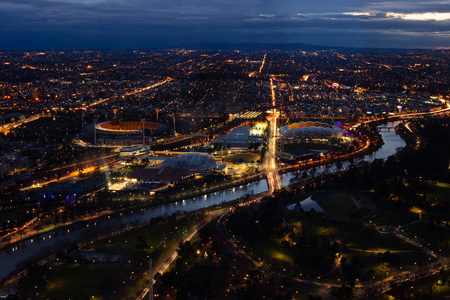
[12, 214]
[91, 281]
[436, 238]
[386, 215]
[439, 190]
[82, 281]
[366, 263]
[155, 235]
[371, 239]
[430, 287]
[336, 202]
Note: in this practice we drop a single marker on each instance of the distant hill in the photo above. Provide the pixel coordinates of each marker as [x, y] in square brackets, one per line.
[275, 46]
[255, 46]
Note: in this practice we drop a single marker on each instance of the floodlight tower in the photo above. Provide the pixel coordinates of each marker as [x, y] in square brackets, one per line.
[82, 122]
[174, 131]
[95, 132]
[143, 131]
[157, 112]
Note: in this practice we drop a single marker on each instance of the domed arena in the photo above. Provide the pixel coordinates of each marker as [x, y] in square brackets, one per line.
[311, 129]
[119, 127]
[123, 133]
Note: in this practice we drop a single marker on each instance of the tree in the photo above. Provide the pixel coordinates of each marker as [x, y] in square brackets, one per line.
[313, 171]
[344, 292]
[184, 248]
[141, 243]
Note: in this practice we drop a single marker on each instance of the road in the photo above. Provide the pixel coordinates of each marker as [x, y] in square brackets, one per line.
[170, 257]
[31, 228]
[405, 116]
[270, 159]
[10, 126]
[137, 91]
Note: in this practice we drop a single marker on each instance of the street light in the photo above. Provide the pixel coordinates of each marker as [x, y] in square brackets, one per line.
[174, 130]
[143, 131]
[95, 132]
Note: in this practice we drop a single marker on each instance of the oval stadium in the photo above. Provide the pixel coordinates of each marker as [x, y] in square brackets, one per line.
[123, 133]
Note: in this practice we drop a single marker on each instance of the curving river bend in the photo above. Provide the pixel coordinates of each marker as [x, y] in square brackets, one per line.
[11, 256]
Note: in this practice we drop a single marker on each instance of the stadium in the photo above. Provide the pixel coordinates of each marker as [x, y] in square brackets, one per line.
[311, 130]
[123, 133]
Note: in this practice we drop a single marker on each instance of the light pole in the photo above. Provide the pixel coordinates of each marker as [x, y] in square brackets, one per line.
[174, 131]
[157, 111]
[95, 132]
[143, 131]
[82, 122]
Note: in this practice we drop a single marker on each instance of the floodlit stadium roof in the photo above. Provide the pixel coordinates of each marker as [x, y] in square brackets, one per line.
[311, 128]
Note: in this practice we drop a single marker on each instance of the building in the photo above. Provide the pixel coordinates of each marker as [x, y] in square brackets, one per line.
[198, 162]
[160, 174]
[4, 91]
[135, 151]
[38, 94]
[238, 139]
[176, 169]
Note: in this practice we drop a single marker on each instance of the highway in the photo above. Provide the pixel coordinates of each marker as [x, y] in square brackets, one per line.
[5, 129]
[445, 109]
[170, 257]
[270, 159]
[137, 91]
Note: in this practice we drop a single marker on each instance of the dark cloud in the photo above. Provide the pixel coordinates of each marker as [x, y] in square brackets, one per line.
[154, 23]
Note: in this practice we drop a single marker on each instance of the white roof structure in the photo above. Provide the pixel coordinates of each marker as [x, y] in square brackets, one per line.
[135, 148]
[306, 205]
[190, 161]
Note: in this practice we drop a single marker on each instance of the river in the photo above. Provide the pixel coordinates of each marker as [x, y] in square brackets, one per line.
[392, 142]
[10, 257]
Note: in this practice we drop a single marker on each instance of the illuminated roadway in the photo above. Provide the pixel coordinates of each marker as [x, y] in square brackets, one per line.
[409, 115]
[263, 62]
[137, 91]
[270, 162]
[5, 129]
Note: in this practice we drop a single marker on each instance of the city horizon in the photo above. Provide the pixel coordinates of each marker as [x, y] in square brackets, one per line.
[230, 46]
[62, 24]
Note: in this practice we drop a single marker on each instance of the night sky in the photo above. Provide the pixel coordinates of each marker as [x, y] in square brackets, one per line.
[104, 24]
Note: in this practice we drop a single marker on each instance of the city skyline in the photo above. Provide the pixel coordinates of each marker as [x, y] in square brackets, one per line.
[100, 24]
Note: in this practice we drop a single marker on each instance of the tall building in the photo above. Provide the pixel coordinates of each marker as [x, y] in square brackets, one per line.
[38, 94]
[4, 91]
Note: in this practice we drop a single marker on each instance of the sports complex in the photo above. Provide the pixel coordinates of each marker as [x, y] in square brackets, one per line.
[124, 132]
